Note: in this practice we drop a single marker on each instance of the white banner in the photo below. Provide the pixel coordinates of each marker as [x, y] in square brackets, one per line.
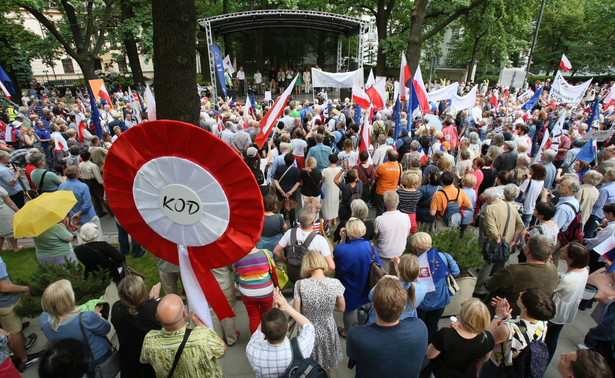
[337, 80]
[445, 93]
[564, 93]
[466, 102]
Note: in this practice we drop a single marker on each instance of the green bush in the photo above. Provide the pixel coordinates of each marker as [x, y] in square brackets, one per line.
[85, 289]
[464, 250]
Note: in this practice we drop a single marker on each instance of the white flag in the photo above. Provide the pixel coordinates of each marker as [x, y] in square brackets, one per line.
[545, 138]
[445, 93]
[466, 102]
[151, 104]
[226, 63]
[425, 274]
[370, 79]
[136, 109]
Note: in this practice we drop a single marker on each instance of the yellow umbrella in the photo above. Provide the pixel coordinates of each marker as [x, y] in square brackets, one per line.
[39, 214]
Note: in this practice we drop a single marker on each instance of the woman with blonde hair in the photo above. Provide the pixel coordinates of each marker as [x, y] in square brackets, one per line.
[455, 351]
[61, 319]
[407, 270]
[352, 261]
[317, 296]
[444, 165]
[133, 316]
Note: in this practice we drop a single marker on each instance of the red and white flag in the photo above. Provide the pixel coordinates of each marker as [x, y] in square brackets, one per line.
[266, 124]
[365, 130]
[81, 128]
[377, 94]
[247, 109]
[359, 97]
[404, 76]
[220, 124]
[59, 142]
[565, 63]
[4, 90]
[421, 92]
[608, 100]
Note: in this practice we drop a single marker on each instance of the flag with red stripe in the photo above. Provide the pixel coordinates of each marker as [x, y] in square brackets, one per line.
[565, 63]
[404, 76]
[421, 91]
[359, 97]
[273, 114]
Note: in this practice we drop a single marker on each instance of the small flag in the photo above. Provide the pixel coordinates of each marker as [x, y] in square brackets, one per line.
[423, 156]
[589, 152]
[565, 63]
[59, 141]
[543, 146]
[5, 90]
[356, 117]
[396, 117]
[608, 100]
[253, 101]
[81, 128]
[151, 104]
[425, 274]
[594, 112]
[420, 90]
[136, 111]
[95, 115]
[377, 94]
[364, 146]
[227, 64]
[370, 79]
[247, 109]
[220, 124]
[532, 101]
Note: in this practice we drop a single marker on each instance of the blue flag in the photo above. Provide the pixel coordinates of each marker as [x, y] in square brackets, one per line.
[438, 268]
[253, 101]
[594, 112]
[95, 115]
[532, 102]
[589, 152]
[6, 80]
[219, 68]
[396, 117]
[414, 101]
[357, 115]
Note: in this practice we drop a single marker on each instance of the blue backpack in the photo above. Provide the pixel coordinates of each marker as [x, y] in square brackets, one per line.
[533, 360]
[452, 214]
[303, 367]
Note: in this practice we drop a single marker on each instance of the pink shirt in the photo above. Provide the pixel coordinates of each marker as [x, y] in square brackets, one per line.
[479, 179]
[450, 134]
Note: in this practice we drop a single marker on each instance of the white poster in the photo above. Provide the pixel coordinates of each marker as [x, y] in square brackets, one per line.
[337, 80]
[445, 93]
[466, 102]
[564, 93]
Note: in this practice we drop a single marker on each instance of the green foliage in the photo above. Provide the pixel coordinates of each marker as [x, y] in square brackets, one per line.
[85, 288]
[464, 250]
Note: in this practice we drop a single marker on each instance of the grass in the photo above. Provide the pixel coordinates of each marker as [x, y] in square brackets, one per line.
[22, 264]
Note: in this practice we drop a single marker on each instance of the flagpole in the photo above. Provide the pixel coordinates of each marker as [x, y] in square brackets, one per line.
[529, 58]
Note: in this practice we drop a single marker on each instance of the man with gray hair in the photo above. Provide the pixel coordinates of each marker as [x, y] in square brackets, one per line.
[381, 151]
[391, 231]
[227, 134]
[537, 272]
[522, 171]
[502, 222]
[306, 236]
[566, 209]
[547, 158]
[240, 140]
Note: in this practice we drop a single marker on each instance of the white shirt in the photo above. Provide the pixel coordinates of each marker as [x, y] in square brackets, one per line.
[392, 228]
[318, 243]
[568, 295]
[529, 201]
[241, 75]
[258, 78]
[299, 146]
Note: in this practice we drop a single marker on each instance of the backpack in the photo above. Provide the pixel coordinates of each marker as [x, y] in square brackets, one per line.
[452, 214]
[574, 232]
[404, 147]
[533, 360]
[354, 194]
[303, 367]
[294, 254]
[258, 175]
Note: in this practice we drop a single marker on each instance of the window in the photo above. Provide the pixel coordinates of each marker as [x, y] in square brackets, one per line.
[98, 64]
[67, 64]
[121, 65]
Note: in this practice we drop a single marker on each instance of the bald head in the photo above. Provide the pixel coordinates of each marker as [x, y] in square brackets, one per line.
[171, 312]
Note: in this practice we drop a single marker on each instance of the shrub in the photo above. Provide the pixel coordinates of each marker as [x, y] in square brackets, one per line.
[85, 289]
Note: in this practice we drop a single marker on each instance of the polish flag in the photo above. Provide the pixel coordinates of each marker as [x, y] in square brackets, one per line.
[608, 100]
[404, 76]
[82, 127]
[5, 91]
[494, 98]
[421, 92]
[59, 141]
[266, 124]
[423, 156]
[377, 94]
[365, 130]
[247, 109]
[565, 63]
[359, 97]
[220, 124]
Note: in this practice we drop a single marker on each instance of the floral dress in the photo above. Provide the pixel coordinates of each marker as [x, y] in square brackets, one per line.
[318, 299]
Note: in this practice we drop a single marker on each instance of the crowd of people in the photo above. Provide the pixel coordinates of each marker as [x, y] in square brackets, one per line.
[483, 171]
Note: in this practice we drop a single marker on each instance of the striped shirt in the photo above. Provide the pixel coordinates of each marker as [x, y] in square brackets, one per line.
[254, 279]
[408, 200]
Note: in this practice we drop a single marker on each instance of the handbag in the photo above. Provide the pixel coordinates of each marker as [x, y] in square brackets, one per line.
[278, 276]
[375, 270]
[498, 252]
[453, 287]
[111, 366]
[288, 204]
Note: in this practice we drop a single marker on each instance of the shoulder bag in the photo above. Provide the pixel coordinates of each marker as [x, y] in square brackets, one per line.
[500, 252]
[108, 368]
[278, 276]
[33, 193]
[375, 270]
[179, 351]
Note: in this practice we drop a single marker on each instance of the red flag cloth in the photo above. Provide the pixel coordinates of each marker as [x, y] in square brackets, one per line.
[421, 91]
[266, 124]
[375, 98]
[82, 127]
[404, 76]
[359, 97]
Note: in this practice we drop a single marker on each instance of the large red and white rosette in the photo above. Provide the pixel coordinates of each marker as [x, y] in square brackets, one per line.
[187, 197]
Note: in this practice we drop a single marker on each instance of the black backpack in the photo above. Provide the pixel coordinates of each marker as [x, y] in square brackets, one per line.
[303, 367]
[533, 360]
[354, 194]
[294, 254]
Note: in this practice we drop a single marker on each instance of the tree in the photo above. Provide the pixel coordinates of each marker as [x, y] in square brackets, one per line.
[441, 13]
[128, 33]
[81, 29]
[174, 25]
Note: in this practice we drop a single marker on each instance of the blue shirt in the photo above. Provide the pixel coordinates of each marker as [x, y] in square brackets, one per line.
[43, 134]
[352, 261]
[550, 168]
[468, 215]
[6, 176]
[96, 330]
[321, 153]
[564, 213]
[278, 161]
[440, 297]
[84, 200]
[607, 195]
[6, 299]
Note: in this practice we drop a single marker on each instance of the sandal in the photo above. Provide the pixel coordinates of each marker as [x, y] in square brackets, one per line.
[340, 330]
[19, 248]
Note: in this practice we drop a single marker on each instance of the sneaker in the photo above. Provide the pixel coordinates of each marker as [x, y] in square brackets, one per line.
[31, 360]
[30, 340]
[25, 325]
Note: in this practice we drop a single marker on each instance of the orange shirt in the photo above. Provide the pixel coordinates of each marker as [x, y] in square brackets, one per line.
[388, 175]
[438, 201]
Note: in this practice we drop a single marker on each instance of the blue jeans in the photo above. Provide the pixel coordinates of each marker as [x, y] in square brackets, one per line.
[590, 226]
[527, 218]
[122, 238]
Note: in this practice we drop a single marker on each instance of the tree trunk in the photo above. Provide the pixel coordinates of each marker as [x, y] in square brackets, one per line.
[131, 46]
[88, 68]
[175, 60]
[381, 27]
[415, 40]
[473, 58]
